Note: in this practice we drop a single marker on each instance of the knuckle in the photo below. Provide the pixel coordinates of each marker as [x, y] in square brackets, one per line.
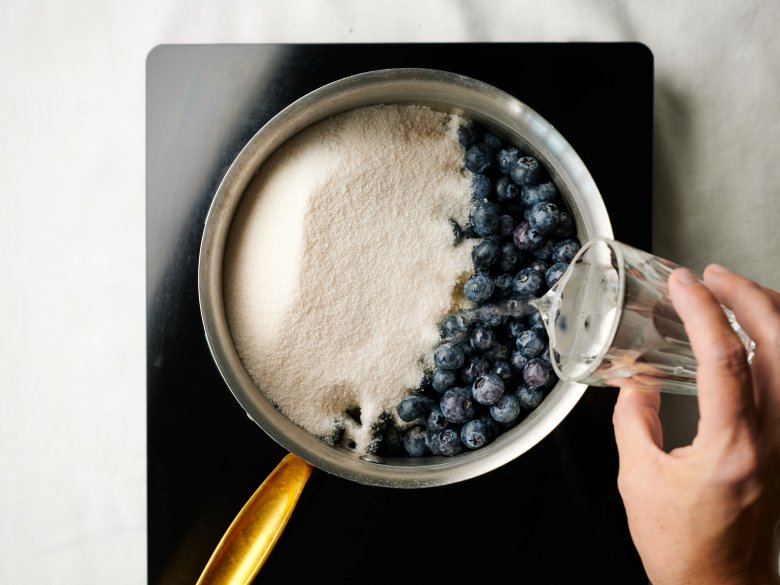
[728, 355]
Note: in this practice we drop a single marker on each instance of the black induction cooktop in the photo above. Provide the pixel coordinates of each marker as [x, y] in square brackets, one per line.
[551, 516]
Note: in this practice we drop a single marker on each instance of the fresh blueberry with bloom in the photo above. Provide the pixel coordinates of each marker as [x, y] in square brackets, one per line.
[487, 388]
[506, 190]
[442, 380]
[565, 227]
[504, 284]
[449, 356]
[413, 407]
[482, 339]
[414, 442]
[479, 158]
[491, 316]
[503, 370]
[457, 405]
[529, 398]
[511, 258]
[449, 442]
[476, 366]
[485, 254]
[436, 420]
[507, 158]
[555, 272]
[474, 434]
[506, 226]
[506, 409]
[453, 326]
[481, 186]
[531, 342]
[529, 283]
[540, 193]
[484, 218]
[469, 133]
[536, 373]
[479, 288]
[565, 250]
[542, 217]
[527, 238]
[526, 171]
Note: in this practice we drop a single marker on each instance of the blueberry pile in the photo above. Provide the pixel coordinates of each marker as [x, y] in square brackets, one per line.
[492, 366]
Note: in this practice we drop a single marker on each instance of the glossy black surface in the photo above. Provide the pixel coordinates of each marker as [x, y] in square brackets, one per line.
[551, 516]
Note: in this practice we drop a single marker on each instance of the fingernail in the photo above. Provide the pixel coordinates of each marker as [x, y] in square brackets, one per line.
[718, 269]
[685, 277]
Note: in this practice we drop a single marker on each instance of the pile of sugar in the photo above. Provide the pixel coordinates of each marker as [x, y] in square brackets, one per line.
[341, 263]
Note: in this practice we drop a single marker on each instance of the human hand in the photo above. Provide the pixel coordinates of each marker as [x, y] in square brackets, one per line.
[707, 513]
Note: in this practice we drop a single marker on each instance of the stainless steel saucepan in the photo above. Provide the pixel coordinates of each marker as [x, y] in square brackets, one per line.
[448, 92]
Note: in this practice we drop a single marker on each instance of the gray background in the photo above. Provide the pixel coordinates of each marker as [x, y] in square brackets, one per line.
[72, 301]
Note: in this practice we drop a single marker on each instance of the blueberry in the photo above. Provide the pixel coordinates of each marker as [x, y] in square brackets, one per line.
[481, 186]
[518, 361]
[414, 407]
[484, 218]
[436, 420]
[482, 339]
[565, 250]
[506, 409]
[432, 440]
[529, 283]
[506, 190]
[529, 398]
[527, 238]
[479, 158]
[506, 225]
[544, 252]
[555, 272]
[507, 158]
[531, 342]
[504, 284]
[542, 217]
[491, 316]
[499, 352]
[448, 356]
[565, 227]
[515, 327]
[536, 372]
[453, 326]
[535, 320]
[477, 366]
[449, 442]
[492, 141]
[503, 370]
[457, 405]
[479, 288]
[541, 193]
[414, 442]
[511, 258]
[545, 355]
[487, 388]
[491, 426]
[539, 265]
[526, 171]
[474, 434]
[443, 379]
[469, 133]
[484, 254]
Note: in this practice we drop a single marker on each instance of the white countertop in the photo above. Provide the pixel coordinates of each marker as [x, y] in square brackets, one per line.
[72, 302]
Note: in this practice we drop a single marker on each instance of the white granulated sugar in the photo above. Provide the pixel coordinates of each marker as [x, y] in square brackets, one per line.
[341, 263]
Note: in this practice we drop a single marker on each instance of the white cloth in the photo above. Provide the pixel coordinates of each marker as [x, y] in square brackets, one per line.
[72, 302]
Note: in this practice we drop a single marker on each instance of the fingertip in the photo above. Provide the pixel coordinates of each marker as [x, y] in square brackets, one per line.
[682, 277]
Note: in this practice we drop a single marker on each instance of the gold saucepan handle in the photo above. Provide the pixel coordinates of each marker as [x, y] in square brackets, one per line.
[254, 531]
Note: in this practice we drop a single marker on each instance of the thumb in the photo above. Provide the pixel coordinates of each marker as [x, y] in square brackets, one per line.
[638, 430]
